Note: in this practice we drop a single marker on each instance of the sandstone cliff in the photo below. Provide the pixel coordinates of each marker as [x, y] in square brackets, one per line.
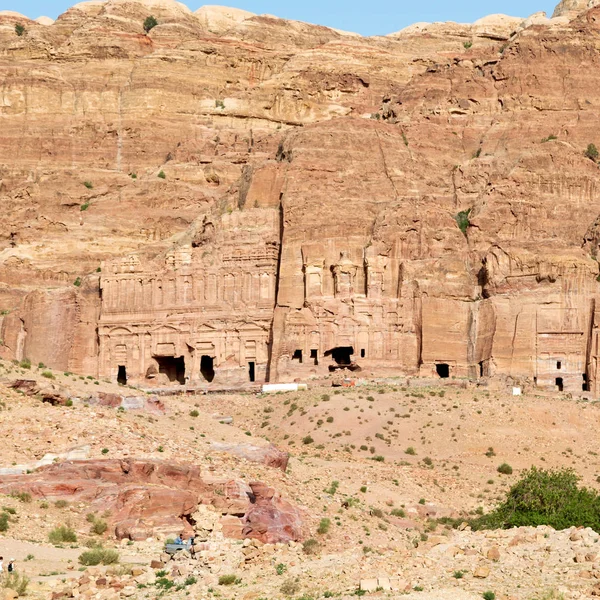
[236, 198]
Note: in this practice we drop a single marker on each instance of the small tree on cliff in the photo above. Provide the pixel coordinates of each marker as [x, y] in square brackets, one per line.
[19, 29]
[150, 23]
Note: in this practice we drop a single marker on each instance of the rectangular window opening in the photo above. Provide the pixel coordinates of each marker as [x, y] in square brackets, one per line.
[252, 371]
[297, 356]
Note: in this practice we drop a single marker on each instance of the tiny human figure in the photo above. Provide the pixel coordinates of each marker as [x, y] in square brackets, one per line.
[1, 565]
[11, 566]
[178, 540]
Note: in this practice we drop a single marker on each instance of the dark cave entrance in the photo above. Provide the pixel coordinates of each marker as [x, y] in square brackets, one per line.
[341, 355]
[314, 354]
[443, 370]
[172, 367]
[559, 384]
[252, 371]
[297, 356]
[122, 375]
[207, 367]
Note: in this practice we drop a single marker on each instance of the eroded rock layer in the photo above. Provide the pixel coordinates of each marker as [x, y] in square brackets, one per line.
[235, 198]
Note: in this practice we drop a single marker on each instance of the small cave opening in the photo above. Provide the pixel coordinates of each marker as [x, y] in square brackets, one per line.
[559, 365]
[297, 356]
[314, 354]
[585, 386]
[252, 371]
[443, 370]
[559, 384]
[173, 367]
[207, 367]
[122, 375]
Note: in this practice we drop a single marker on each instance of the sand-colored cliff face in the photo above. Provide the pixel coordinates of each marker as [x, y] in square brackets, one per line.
[239, 197]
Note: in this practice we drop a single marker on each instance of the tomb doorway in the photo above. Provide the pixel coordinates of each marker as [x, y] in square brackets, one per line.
[207, 367]
[173, 367]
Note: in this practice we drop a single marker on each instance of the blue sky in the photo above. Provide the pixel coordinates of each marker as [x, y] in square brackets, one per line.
[367, 18]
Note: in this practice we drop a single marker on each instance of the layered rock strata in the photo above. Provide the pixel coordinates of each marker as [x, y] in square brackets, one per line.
[236, 198]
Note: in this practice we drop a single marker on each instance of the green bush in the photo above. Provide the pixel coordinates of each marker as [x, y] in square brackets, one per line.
[22, 496]
[324, 526]
[89, 185]
[62, 534]
[48, 375]
[16, 582]
[592, 152]
[162, 175]
[3, 521]
[99, 527]
[462, 220]
[61, 504]
[97, 556]
[77, 282]
[25, 364]
[228, 579]
[19, 29]
[505, 469]
[489, 596]
[311, 546]
[194, 413]
[410, 450]
[468, 45]
[398, 512]
[544, 497]
[150, 23]
[307, 440]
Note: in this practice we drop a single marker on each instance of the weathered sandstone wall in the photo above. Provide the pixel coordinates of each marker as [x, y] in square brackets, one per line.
[236, 198]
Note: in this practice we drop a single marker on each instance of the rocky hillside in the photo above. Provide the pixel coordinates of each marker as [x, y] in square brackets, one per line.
[231, 198]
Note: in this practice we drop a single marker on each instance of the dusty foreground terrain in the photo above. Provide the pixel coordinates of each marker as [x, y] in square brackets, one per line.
[402, 454]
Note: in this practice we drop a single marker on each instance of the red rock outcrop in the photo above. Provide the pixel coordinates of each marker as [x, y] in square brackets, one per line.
[270, 518]
[148, 497]
[271, 200]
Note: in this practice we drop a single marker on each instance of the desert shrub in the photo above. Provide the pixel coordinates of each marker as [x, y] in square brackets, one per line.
[47, 374]
[458, 574]
[22, 496]
[83, 207]
[290, 587]
[332, 489]
[61, 504]
[89, 185]
[62, 534]
[219, 104]
[550, 138]
[468, 44]
[10, 510]
[25, 364]
[97, 556]
[150, 23]
[410, 450]
[162, 175]
[592, 152]
[3, 521]
[398, 512]
[194, 413]
[16, 582]
[307, 440]
[489, 596]
[99, 527]
[228, 579]
[311, 546]
[19, 29]
[462, 218]
[505, 469]
[280, 568]
[544, 497]
[77, 282]
[379, 458]
[324, 526]
[427, 460]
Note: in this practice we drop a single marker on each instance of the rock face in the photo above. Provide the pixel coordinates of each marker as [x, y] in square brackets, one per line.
[236, 198]
[149, 498]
